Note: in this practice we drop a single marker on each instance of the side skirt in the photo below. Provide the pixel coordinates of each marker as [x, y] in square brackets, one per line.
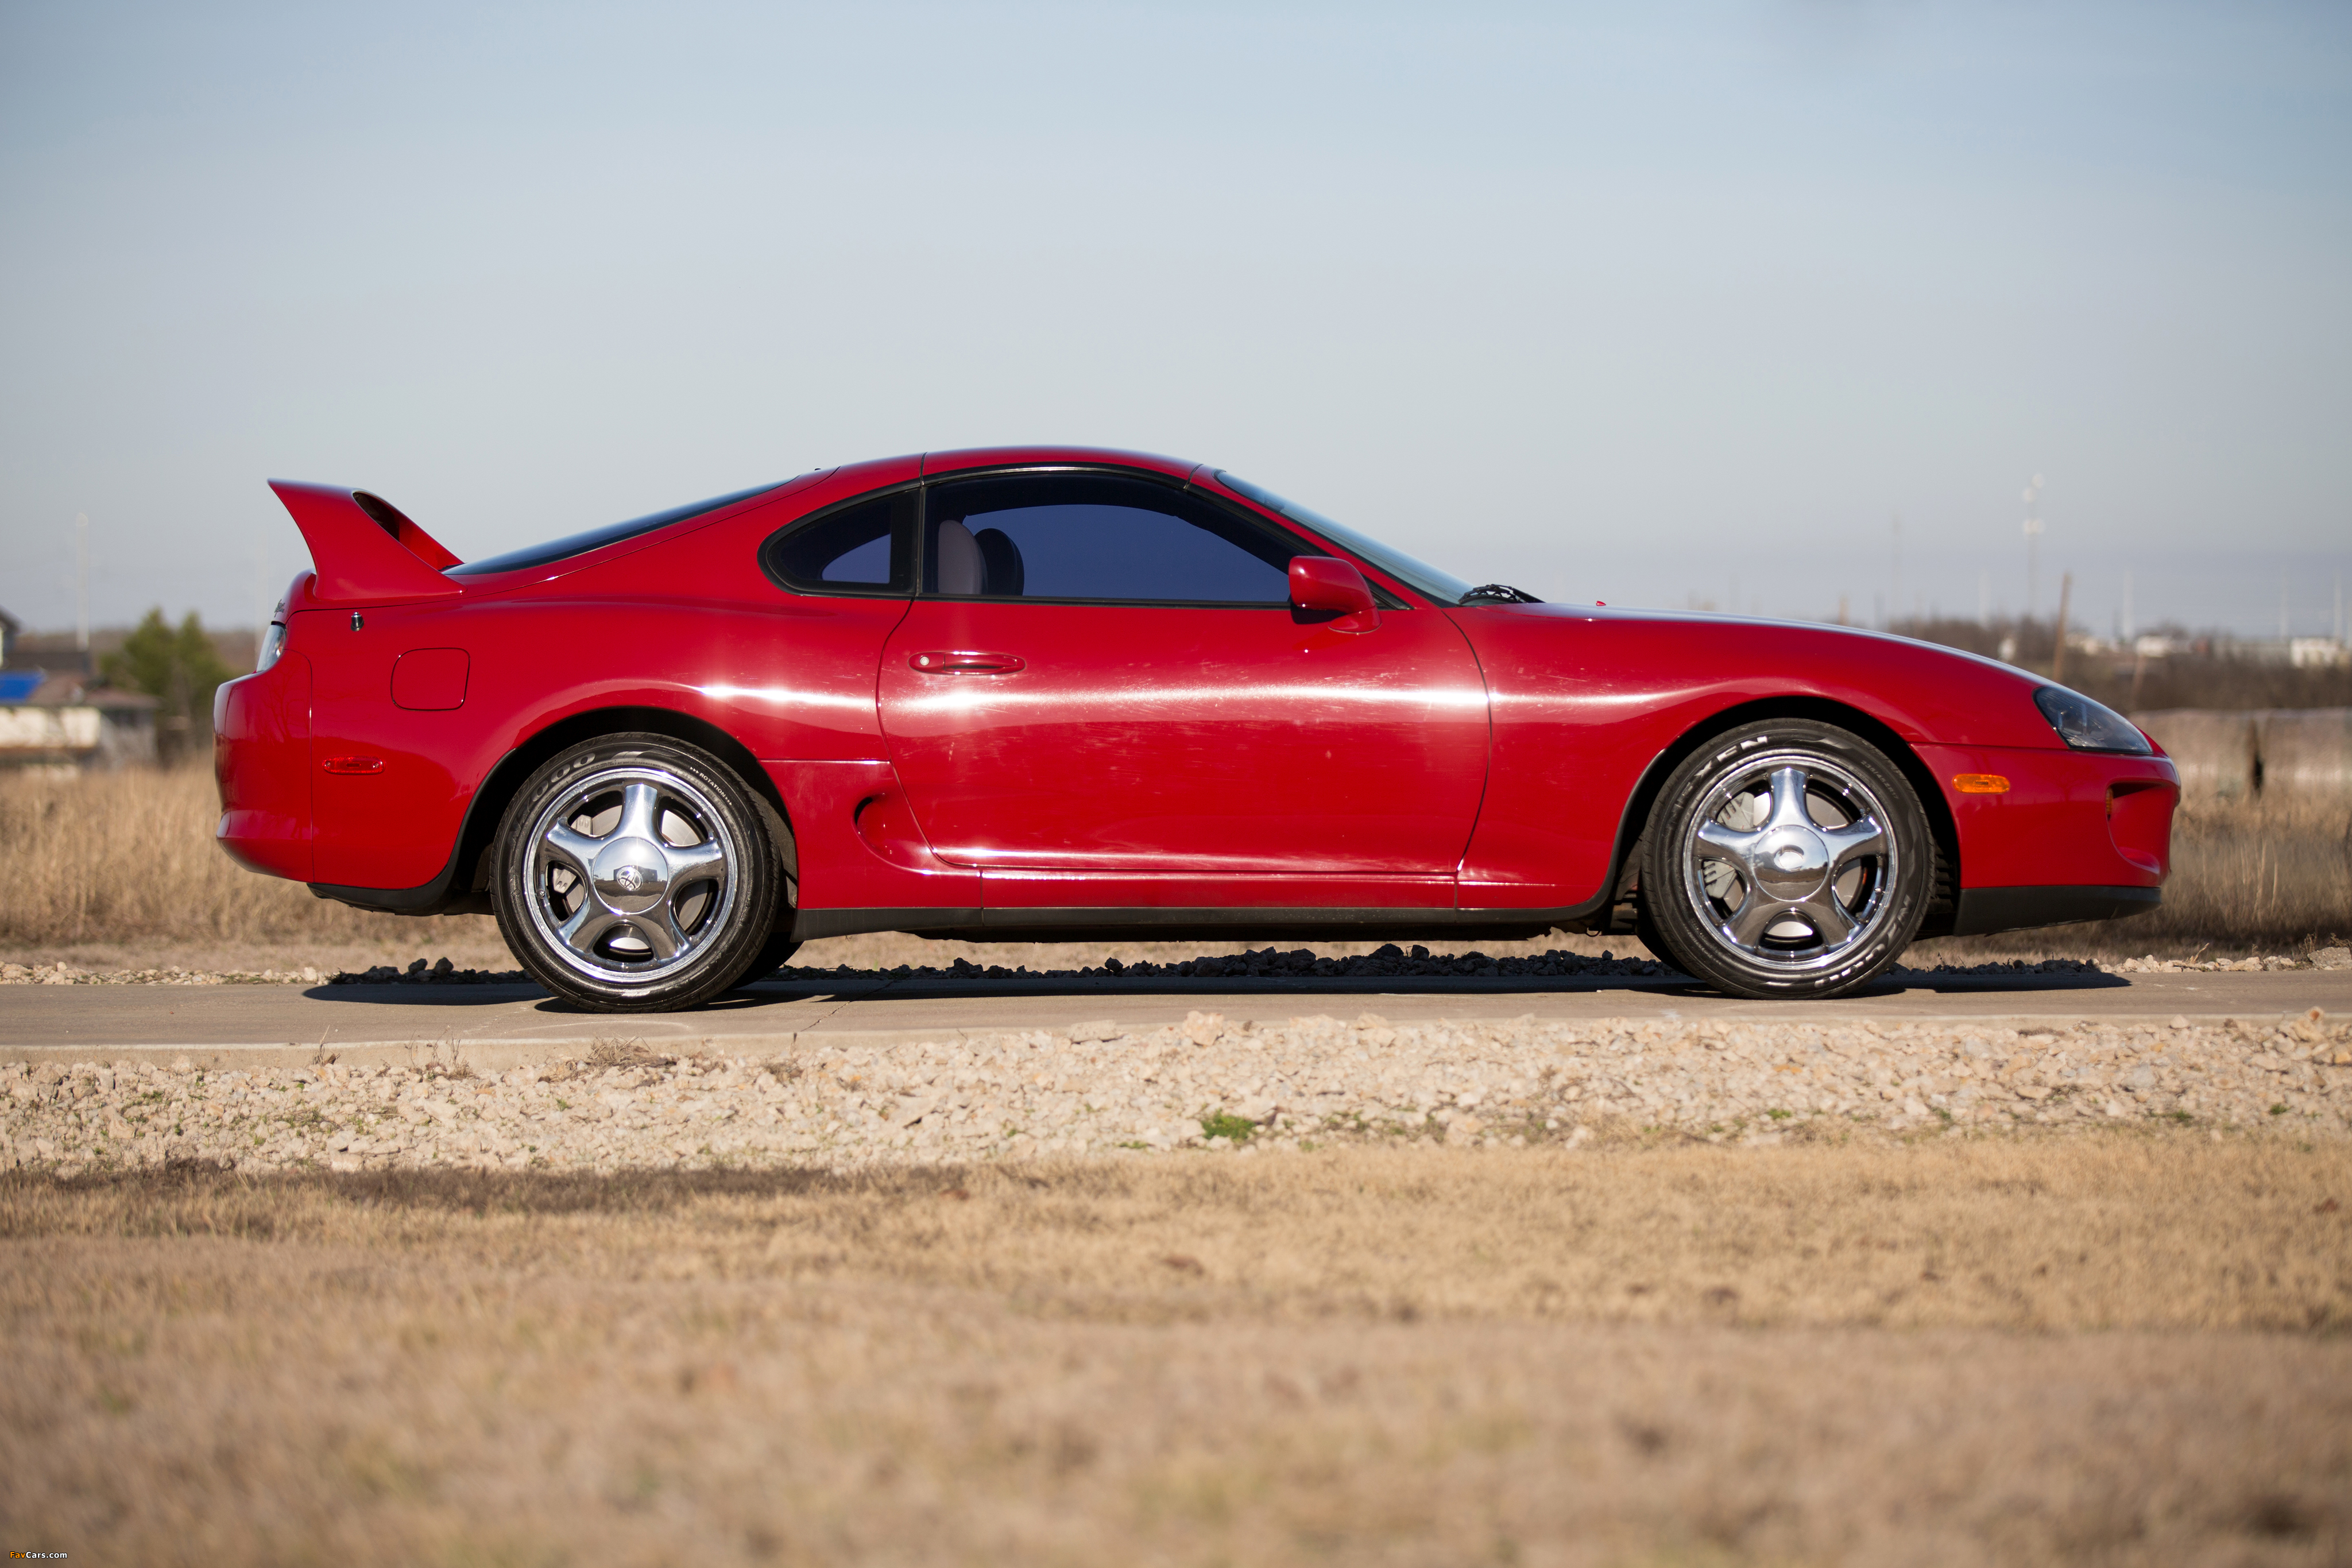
[1160, 924]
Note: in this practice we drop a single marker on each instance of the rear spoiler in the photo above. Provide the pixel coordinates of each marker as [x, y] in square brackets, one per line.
[366, 550]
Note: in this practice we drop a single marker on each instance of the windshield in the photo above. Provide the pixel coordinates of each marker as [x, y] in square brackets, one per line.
[1442, 585]
[581, 543]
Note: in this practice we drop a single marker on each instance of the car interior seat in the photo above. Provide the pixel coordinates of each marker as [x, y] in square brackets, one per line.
[1002, 557]
[962, 568]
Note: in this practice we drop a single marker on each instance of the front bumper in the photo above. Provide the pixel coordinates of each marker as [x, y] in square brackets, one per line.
[2075, 836]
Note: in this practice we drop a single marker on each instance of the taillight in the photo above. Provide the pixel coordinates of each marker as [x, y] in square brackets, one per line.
[273, 641]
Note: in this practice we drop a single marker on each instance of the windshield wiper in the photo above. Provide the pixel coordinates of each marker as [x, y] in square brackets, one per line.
[1499, 593]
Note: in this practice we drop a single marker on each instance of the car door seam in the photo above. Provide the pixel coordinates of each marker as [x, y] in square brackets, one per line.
[1486, 772]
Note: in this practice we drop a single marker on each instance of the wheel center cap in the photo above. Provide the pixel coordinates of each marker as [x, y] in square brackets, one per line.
[1793, 863]
[632, 875]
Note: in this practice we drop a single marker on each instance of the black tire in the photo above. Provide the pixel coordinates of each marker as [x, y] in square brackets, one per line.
[1788, 858]
[773, 957]
[636, 873]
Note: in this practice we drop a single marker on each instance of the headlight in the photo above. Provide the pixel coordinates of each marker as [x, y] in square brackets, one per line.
[2087, 726]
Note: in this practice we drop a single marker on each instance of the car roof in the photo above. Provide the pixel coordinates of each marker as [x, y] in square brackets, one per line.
[934, 462]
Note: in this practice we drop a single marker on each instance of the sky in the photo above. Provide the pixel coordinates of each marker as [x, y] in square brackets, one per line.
[1761, 304]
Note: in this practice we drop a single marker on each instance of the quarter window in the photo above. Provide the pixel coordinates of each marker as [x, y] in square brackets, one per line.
[867, 548]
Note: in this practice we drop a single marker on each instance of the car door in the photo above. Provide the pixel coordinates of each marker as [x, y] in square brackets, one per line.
[1102, 696]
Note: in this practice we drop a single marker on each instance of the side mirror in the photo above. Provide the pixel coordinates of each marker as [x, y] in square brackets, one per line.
[1322, 584]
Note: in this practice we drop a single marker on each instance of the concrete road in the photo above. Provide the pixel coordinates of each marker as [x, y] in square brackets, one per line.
[504, 1025]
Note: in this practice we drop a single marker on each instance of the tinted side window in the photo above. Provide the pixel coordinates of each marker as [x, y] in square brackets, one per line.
[867, 548]
[1096, 537]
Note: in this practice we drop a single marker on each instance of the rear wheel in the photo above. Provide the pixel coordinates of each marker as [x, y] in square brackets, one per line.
[635, 874]
[1790, 858]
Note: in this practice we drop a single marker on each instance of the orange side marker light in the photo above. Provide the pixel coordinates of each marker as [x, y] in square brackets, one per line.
[1980, 783]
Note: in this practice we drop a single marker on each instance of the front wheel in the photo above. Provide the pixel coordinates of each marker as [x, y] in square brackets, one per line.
[1789, 857]
[635, 874]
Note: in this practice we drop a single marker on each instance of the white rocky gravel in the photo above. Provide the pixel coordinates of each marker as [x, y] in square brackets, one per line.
[2320, 958]
[1211, 1083]
[64, 974]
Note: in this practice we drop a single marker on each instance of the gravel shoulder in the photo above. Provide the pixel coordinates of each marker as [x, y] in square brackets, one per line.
[1210, 1082]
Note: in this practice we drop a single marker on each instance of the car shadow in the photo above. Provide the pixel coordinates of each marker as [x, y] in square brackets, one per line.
[898, 988]
[427, 996]
[849, 990]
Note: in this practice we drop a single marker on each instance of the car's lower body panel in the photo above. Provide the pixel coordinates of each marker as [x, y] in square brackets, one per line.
[1984, 910]
[1170, 924]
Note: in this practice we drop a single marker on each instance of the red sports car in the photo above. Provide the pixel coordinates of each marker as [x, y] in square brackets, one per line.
[1059, 693]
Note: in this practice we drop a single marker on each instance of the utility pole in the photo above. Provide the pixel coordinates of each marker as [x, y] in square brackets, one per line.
[2033, 548]
[1984, 599]
[1895, 598]
[2131, 627]
[2058, 658]
[2281, 607]
[82, 588]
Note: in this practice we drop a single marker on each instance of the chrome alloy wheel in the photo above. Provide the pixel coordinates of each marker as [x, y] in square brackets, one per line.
[1789, 862]
[631, 873]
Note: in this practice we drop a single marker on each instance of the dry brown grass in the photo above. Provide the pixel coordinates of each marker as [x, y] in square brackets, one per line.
[109, 866]
[2272, 875]
[2125, 1348]
[129, 857]
[2274, 870]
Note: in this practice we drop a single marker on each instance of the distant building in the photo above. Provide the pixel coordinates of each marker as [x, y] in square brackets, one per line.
[2303, 653]
[61, 652]
[70, 722]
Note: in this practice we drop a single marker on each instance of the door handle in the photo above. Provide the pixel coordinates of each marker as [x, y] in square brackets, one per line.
[967, 663]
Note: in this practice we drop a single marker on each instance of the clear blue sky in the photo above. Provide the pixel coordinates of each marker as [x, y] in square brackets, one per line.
[1639, 303]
